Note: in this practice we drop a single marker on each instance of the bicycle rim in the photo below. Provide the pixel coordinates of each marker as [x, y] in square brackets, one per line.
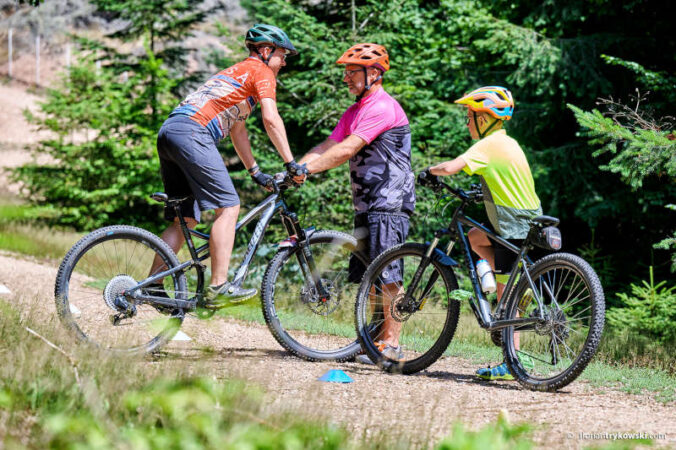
[97, 272]
[307, 324]
[416, 339]
[554, 351]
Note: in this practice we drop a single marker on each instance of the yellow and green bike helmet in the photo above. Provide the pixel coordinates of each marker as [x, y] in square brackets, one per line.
[494, 100]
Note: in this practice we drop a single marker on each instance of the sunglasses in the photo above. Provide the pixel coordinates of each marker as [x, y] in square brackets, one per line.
[350, 73]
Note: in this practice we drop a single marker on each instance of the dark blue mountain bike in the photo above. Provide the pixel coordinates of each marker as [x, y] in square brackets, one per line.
[549, 320]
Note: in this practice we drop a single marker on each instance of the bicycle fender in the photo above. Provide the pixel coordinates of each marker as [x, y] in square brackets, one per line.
[444, 259]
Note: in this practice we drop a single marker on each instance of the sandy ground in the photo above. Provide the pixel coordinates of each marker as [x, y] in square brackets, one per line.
[422, 406]
[17, 136]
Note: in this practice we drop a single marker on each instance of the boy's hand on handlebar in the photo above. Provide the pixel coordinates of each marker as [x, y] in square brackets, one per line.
[425, 178]
[263, 179]
[298, 172]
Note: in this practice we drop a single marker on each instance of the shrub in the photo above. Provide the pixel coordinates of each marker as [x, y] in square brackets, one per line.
[650, 311]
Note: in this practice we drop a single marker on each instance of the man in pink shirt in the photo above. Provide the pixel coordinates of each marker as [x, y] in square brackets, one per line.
[374, 135]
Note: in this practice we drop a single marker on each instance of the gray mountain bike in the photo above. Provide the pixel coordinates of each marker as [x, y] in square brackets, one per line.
[549, 320]
[104, 295]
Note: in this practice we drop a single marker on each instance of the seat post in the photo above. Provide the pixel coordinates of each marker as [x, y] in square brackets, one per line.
[185, 230]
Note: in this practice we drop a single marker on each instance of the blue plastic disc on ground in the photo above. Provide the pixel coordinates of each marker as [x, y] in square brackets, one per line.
[336, 376]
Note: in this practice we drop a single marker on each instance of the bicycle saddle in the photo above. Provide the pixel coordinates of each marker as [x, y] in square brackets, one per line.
[546, 221]
[164, 198]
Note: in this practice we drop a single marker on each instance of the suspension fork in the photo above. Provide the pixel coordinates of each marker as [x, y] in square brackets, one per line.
[304, 254]
[435, 276]
[413, 304]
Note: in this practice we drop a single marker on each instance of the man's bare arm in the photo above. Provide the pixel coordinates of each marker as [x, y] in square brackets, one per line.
[240, 139]
[275, 128]
[317, 151]
[336, 154]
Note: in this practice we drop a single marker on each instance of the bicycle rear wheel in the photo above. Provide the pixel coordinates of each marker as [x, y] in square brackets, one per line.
[308, 326]
[553, 352]
[95, 273]
[381, 314]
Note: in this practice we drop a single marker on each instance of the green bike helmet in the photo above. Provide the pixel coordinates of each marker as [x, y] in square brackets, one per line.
[268, 34]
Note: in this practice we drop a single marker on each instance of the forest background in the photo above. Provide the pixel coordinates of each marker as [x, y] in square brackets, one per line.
[593, 82]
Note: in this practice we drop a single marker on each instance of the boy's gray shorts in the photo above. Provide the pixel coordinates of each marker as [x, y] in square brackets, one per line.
[191, 165]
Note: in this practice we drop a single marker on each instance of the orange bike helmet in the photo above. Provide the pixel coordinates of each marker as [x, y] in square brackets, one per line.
[367, 55]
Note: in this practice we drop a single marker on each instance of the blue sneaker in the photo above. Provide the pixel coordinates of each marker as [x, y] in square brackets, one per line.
[500, 372]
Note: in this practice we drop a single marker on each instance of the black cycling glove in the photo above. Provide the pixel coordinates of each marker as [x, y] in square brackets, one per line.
[425, 178]
[262, 179]
[294, 169]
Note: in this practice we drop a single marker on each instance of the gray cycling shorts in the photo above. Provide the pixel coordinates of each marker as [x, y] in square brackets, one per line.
[376, 232]
[191, 166]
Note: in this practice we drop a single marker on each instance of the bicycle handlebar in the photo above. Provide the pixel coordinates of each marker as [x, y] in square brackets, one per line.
[475, 193]
[282, 181]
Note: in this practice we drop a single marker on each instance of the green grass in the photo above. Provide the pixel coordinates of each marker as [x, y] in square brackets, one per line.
[632, 380]
[97, 402]
[37, 241]
[13, 212]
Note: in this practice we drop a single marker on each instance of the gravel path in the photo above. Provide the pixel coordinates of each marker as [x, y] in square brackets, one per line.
[421, 406]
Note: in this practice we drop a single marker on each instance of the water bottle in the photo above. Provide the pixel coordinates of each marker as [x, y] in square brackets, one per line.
[485, 274]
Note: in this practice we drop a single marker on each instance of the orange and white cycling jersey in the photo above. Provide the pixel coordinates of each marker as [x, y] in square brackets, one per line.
[228, 96]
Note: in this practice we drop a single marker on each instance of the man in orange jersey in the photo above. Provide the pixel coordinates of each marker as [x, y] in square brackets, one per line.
[192, 166]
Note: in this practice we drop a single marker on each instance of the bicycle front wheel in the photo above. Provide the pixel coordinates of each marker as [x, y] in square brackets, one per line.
[552, 352]
[416, 321]
[304, 323]
[91, 282]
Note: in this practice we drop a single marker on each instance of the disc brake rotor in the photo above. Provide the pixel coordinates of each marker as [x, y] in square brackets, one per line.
[396, 311]
[321, 306]
[115, 287]
[560, 326]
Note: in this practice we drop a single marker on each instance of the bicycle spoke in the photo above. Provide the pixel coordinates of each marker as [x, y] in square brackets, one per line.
[404, 320]
[104, 270]
[562, 334]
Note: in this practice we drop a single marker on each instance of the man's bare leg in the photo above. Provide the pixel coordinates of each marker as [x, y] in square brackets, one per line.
[221, 242]
[391, 328]
[173, 236]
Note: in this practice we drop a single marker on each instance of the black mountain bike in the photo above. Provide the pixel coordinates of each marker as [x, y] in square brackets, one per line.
[103, 292]
[549, 320]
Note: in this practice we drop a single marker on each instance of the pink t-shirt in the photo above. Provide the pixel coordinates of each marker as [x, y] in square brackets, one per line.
[369, 117]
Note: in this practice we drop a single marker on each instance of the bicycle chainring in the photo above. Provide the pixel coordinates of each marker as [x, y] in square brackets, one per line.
[115, 287]
[321, 306]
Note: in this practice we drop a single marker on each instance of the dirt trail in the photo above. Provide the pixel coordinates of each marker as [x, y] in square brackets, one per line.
[423, 406]
[16, 133]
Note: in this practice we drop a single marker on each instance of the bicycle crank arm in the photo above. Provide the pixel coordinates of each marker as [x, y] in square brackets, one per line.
[526, 323]
[164, 301]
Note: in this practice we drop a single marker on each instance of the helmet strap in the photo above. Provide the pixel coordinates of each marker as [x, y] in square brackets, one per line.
[260, 55]
[367, 86]
[476, 125]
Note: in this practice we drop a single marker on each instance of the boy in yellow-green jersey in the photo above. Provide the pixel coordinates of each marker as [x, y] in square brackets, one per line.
[509, 191]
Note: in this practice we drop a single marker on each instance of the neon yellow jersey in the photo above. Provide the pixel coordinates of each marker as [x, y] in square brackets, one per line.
[509, 190]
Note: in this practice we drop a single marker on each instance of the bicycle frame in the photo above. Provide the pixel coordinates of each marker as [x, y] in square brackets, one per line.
[482, 308]
[266, 209]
